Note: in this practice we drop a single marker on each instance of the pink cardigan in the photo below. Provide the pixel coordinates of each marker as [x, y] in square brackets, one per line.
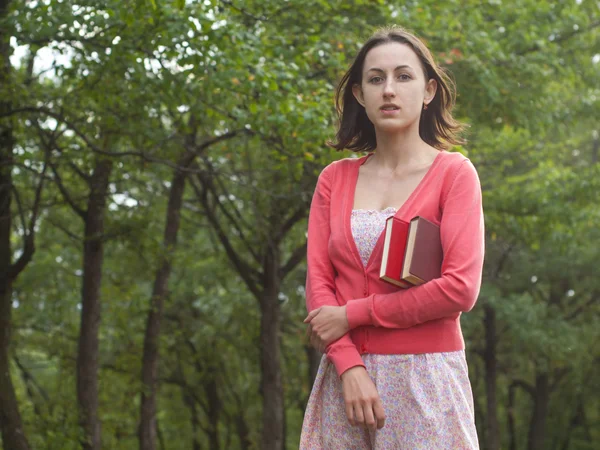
[383, 318]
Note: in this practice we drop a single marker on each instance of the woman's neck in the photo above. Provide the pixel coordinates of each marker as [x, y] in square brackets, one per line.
[401, 150]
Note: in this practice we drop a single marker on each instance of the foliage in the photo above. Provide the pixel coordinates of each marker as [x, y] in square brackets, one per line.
[135, 81]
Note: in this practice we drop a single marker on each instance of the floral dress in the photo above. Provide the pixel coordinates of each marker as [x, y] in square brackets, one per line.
[427, 397]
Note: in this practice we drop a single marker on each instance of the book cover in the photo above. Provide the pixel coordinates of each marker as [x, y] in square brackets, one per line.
[396, 234]
[424, 255]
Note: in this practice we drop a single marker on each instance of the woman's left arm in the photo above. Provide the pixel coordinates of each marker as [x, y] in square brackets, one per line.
[462, 237]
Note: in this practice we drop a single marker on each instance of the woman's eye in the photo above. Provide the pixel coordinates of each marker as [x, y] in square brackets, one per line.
[375, 80]
[404, 77]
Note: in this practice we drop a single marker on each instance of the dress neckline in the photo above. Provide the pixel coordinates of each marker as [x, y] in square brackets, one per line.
[350, 204]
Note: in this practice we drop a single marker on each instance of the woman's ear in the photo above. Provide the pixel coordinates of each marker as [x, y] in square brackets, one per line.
[430, 90]
[358, 94]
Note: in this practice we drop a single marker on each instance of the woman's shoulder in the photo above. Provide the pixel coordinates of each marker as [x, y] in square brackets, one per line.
[454, 162]
[453, 158]
[342, 166]
[455, 168]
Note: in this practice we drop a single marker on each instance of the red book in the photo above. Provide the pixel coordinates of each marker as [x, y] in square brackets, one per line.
[396, 235]
[423, 254]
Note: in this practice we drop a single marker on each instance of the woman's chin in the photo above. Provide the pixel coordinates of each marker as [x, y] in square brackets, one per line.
[393, 126]
[390, 126]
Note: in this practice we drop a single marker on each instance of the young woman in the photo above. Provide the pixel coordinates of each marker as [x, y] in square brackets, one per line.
[394, 375]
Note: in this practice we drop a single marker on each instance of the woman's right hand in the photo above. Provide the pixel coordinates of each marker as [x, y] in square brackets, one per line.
[363, 405]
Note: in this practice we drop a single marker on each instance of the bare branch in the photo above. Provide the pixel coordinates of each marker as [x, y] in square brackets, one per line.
[65, 193]
[524, 385]
[584, 306]
[215, 140]
[503, 259]
[29, 238]
[85, 177]
[38, 196]
[298, 215]
[207, 183]
[21, 212]
[243, 269]
[70, 234]
[235, 223]
[244, 12]
[296, 258]
[136, 153]
[29, 378]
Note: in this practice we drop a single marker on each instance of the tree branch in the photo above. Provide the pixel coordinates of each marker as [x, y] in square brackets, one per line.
[207, 184]
[584, 306]
[29, 381]
[503, 259]
[299, 214]
[243, 269]
[29, 234]
[524, 385]
[229, 216]
[29, 378]
[296, 258]
[73, 236]
[21, 213]
[137, 153]
[63, 190]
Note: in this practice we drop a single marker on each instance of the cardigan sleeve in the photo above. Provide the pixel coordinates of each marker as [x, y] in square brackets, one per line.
[320, 280]
[456, 291]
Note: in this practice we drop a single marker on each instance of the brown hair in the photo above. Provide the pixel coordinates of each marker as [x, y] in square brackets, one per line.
[437, 127]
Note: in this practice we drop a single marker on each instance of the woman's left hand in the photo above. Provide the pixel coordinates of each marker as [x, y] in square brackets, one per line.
[325, 325]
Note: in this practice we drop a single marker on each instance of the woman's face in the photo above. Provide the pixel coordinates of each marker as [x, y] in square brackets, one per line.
[393, 88]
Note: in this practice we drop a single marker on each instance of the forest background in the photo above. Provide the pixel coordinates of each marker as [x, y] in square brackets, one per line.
[157, 162]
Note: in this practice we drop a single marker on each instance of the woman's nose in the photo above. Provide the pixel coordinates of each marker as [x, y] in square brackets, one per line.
[388, 89]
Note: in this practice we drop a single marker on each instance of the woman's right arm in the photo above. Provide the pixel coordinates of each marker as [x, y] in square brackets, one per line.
[363, 405]
[320, 279]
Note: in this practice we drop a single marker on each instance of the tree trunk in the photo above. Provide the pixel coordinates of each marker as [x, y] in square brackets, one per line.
[270, 358]
[510, 412]
[190, 402]
[242, 431]
[537, 426]
[147, 429]
[492, 435]
[13, 436]
[87, 355]
[577, 420]
[214, 410]
[11, 425]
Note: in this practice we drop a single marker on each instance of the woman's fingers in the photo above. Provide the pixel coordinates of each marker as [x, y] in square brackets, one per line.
[379, 414]
[369, 416]
[366, 412]
[350, 413]
[359, 416]
[312, 314]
